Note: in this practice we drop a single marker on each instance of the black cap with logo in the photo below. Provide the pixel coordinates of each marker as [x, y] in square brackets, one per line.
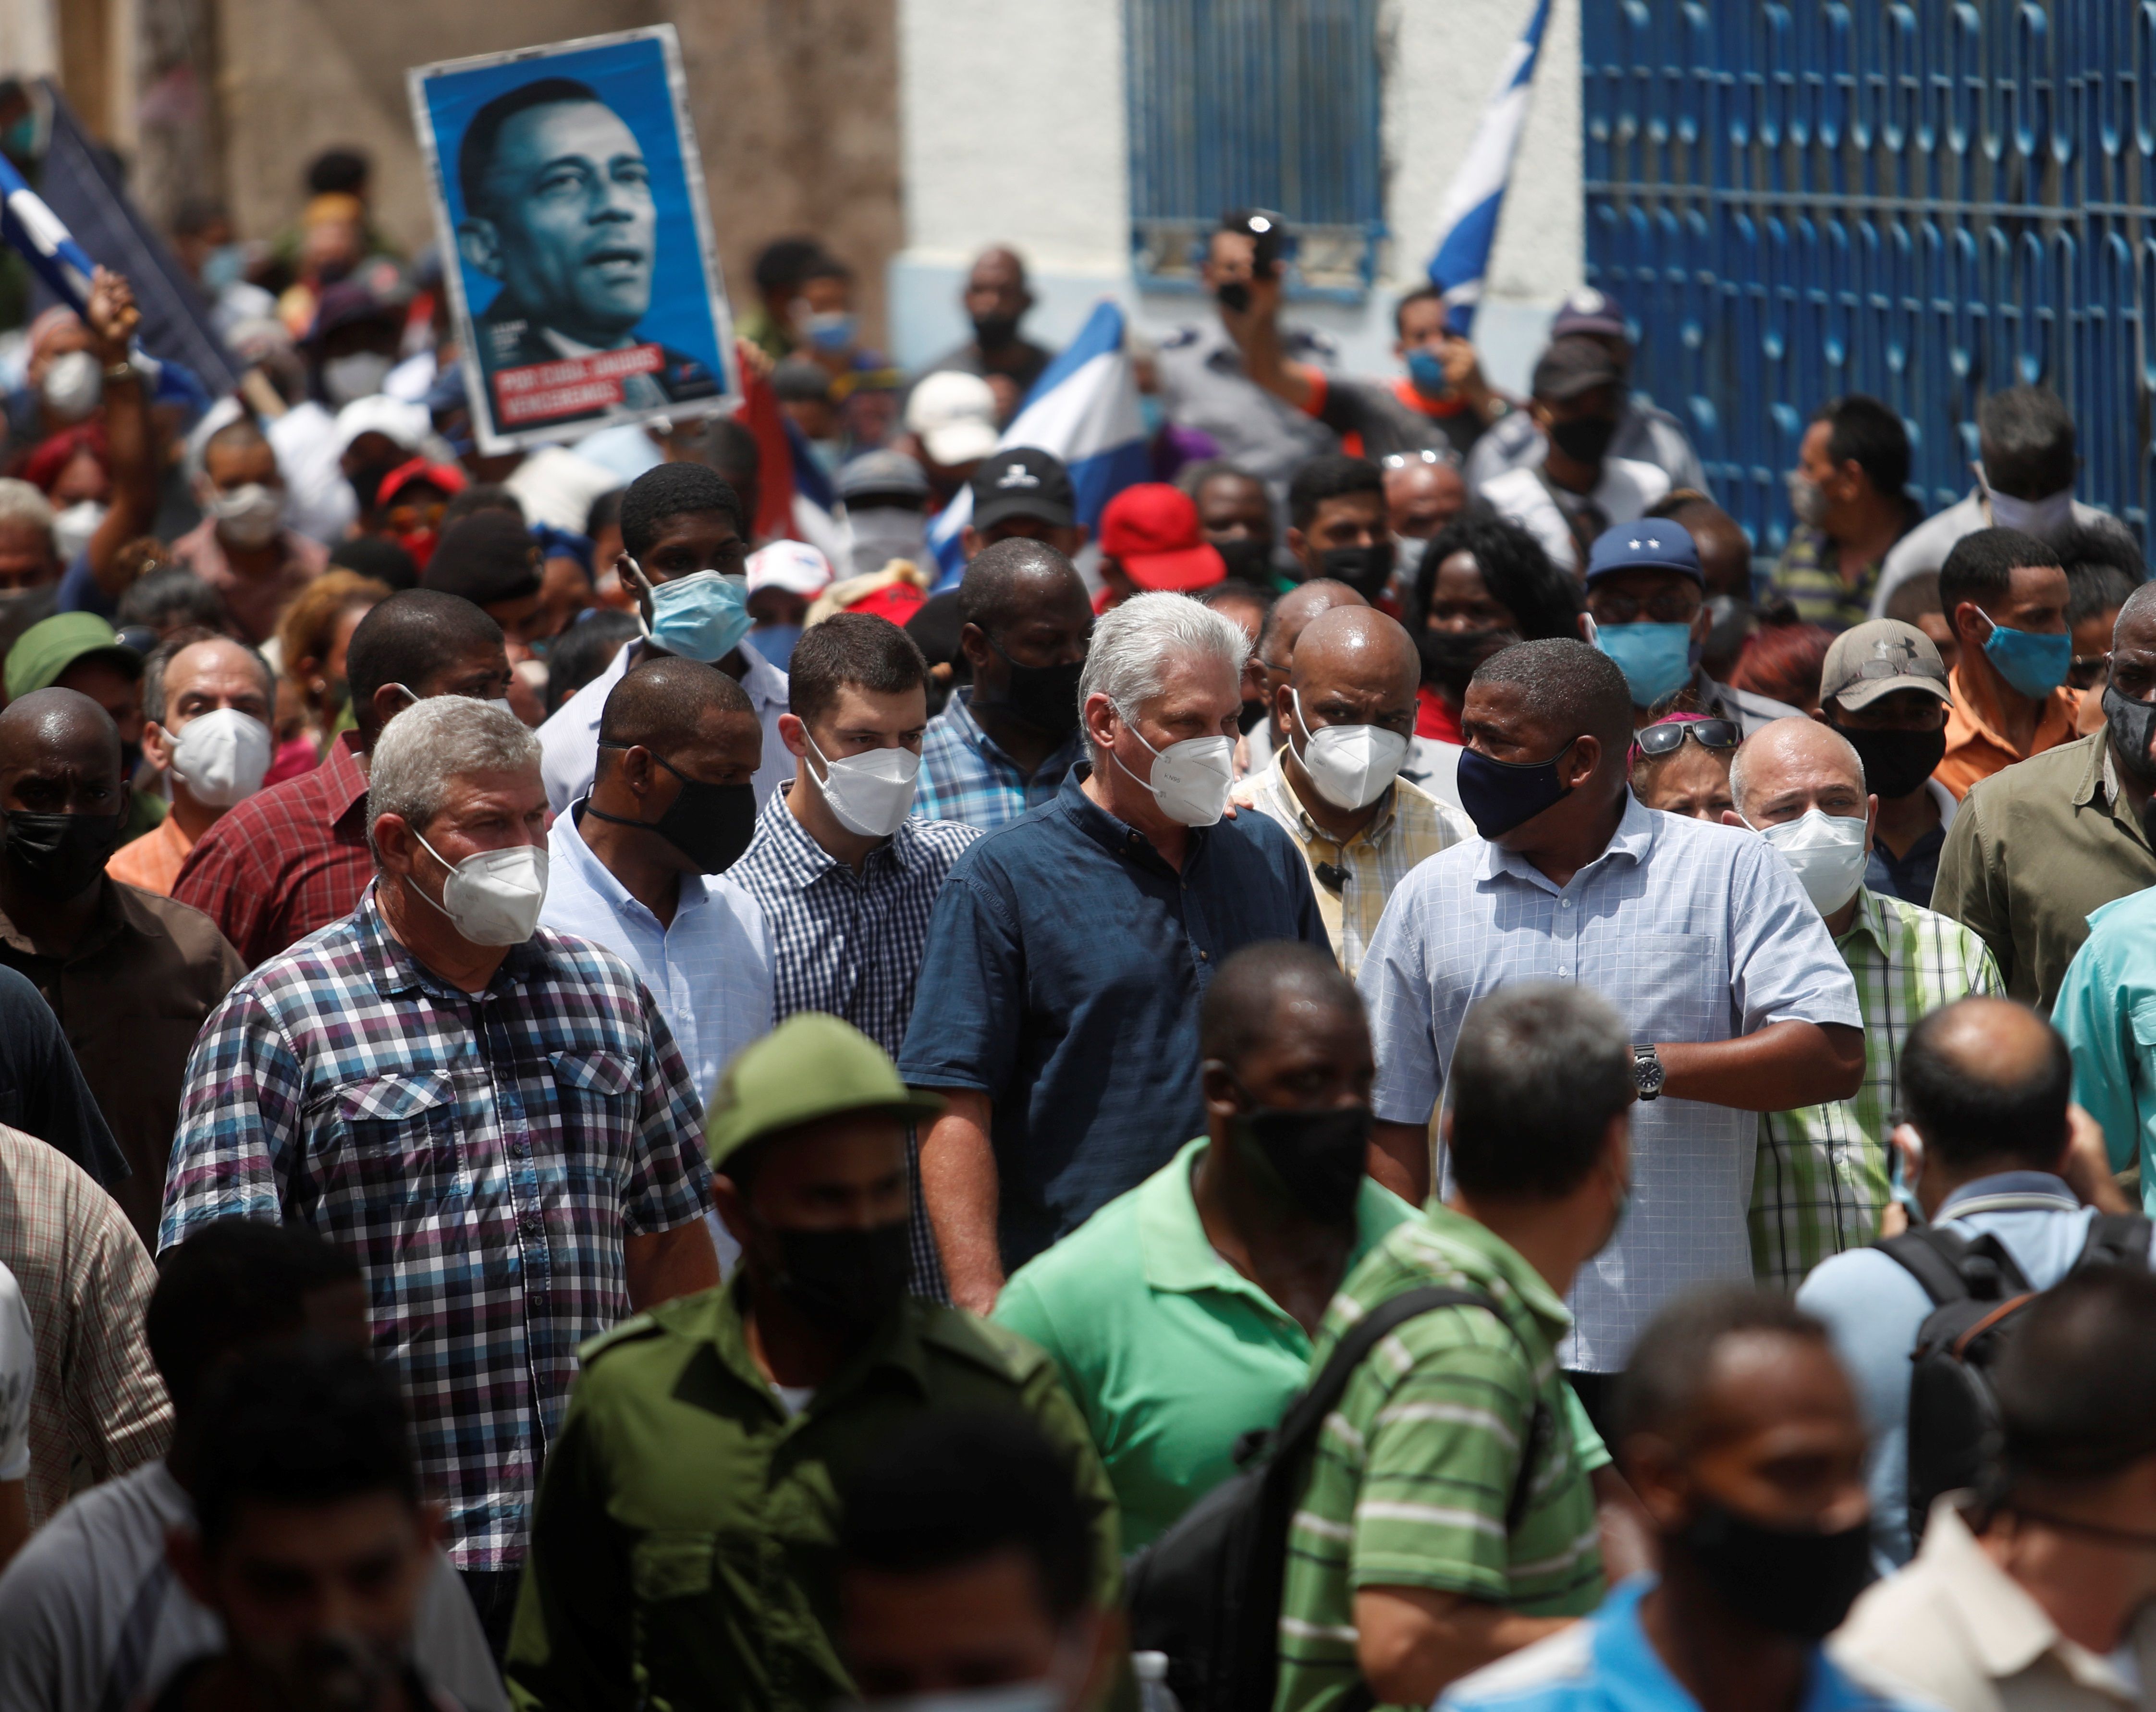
[1024, 481]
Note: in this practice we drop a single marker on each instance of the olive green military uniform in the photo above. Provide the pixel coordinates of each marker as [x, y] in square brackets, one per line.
[684, 1544]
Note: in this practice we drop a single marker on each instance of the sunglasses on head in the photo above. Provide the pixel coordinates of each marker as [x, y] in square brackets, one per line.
[1658, 741]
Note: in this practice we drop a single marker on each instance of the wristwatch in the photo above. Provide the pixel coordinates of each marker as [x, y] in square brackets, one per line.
[1647, 1072]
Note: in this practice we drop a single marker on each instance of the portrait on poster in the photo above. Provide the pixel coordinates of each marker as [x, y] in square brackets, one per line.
[569, 196]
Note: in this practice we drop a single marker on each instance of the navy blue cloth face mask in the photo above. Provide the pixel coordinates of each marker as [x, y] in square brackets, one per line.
[1499, 795]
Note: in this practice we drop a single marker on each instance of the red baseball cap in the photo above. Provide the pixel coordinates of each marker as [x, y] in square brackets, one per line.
[1150, 530]
[447, 477]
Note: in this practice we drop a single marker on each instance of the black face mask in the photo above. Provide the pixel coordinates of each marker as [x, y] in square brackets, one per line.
[1499, 795]
[60, 856]
[2133, 724]
[1316, 1159]
[710, 825]
[1793, 1582]
[1585, 438]
[1897, 762]
[846, 1280]
[1366, 570]
[995, 332]
[1248, 559]
[1234, 294]
[1450, 657]
[1043, 697]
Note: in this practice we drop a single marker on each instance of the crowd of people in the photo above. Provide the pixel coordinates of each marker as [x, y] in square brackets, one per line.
[721, 1126]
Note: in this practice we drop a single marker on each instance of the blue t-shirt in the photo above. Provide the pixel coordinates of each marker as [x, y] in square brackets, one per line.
[1065, 966]
[1874, 1307]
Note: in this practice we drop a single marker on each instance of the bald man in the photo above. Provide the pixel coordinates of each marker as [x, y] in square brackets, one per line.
[639, 864]
[1423, 492]
[1001, 744]
[130, 975]
[1273, 659]
[996, 300]
[1348, 708]
[1822, 1182]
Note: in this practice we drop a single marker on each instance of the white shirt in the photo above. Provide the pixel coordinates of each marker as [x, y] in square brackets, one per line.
[1925, 547]
[91, 1616]
[18, 1377]
[569, 741]
[1627, 488]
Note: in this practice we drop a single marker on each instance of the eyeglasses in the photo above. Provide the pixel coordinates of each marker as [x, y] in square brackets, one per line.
[1401, 460]
[1667, 738]
[1625, 609]
[2086, 671]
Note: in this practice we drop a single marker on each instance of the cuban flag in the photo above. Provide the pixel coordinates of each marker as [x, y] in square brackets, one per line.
[1468, 225]
[1084, 408]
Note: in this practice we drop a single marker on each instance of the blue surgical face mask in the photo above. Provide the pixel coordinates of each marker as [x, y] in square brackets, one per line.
[1499, 795]
[700, 618]
[1655, 658]
[1153, 415]
[2033, 663]
[1426, 369]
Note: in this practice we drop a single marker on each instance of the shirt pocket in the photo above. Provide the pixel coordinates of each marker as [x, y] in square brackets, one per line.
[676, 1625]
[1667, 986]
[599, 1101]
[391, 1140]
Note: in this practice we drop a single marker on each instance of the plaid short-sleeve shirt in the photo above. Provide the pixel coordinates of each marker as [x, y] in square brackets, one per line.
[482, 1157]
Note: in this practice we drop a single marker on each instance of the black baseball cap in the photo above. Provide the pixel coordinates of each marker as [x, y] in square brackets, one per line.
[1573, 365]
[1023, 482]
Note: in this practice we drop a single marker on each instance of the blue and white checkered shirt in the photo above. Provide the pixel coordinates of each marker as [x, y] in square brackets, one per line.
[1695, 933]
[850, 944]
[482, 1158]
[964, 776]
[710, 969]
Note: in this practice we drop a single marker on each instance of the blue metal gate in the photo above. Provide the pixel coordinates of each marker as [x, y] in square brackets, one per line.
[1925, 202]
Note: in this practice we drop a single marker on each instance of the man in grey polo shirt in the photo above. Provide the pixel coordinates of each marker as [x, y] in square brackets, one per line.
[1736, 999]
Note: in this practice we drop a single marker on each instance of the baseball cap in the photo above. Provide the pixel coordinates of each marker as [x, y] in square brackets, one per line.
[811, 1066]
[794, 565]
[345, 303]
[52, 645]
[955, 415]
[882, 472]
[1150, 530]
[1652, 544]
[447, 477]
[1879, 659]
[1024, 482]
[1571, 366]
[1588, 310]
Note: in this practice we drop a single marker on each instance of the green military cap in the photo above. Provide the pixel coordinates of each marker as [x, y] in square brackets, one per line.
[811, 1066]
[49, 647]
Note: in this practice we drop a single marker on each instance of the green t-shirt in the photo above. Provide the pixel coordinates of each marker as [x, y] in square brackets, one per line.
[1170, 1353]
[1415, 1470]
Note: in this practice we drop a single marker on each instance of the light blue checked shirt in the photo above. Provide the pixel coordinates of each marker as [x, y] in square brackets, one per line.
[964, 776]
[710, 972]
[1695, 933]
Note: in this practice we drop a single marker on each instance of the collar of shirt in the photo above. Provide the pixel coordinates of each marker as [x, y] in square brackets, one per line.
[395, 970]
[959, 711]
[1630, 1673]
[806, 861]
[569, 850]
[1633, 841]
[1112, 835]
[2007, 1630]
[1870, 921]
[1274, 781]
[1499, 1258]
[118, 911]
[722, 1313]
[1178, 1256]
[343, 776]
[2055, 721]
[2020, 1188]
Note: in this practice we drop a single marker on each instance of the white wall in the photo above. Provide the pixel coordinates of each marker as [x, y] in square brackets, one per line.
[1012, 119]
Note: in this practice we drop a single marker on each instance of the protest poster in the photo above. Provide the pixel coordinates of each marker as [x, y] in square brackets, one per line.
[568, 192]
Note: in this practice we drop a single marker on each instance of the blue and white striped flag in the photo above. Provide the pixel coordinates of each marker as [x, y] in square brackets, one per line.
[1469, 223]
[1084, 408]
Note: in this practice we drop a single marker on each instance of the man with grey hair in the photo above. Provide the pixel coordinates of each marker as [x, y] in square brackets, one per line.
[493, 1119]
[1821, 1183]
[1058, 1001]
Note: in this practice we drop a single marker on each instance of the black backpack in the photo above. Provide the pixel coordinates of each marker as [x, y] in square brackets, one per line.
[1978, 1294]
[1207, 1592]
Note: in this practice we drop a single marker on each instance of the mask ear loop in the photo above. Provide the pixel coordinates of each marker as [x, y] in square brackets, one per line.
[644, 587]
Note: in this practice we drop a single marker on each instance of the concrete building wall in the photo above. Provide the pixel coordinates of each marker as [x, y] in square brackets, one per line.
[1012, 117]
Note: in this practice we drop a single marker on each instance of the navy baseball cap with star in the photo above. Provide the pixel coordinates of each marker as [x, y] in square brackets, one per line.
[1652, 544]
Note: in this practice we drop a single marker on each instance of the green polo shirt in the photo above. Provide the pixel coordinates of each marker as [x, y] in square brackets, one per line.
[684, 1544]
[1170, 1353]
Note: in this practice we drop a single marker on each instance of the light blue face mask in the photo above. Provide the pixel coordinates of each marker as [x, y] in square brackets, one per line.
[2033, 663]
[700, 618]
[1655, 658]
[1426, 369]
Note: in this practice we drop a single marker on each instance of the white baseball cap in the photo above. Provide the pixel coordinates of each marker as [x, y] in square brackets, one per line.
[794, 565]
[955, 415]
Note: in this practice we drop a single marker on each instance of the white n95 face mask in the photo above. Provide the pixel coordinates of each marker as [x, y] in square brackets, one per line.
[73, 385]
[247, 515]
[1828, 852]
[221, 757]
[493, 898]
[871, 793]
[1352, 766]
[1191, 779]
